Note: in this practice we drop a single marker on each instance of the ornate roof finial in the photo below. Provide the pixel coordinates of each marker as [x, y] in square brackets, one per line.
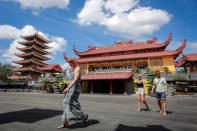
[182, 46]
[90, 47]
[74, 49]
[154, 39]
[65, 57]
[169, 38]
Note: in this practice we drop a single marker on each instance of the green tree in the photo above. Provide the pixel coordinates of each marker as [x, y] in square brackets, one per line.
[166, 70]
[59, 77]
[151, 75]
[6, 70]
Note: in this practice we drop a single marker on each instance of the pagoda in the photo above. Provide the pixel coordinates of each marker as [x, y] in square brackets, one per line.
[33, 57]
[108, 69]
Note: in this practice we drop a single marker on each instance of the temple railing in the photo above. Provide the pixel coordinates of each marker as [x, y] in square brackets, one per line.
[51, 79]
[170, 77]
[109, 71]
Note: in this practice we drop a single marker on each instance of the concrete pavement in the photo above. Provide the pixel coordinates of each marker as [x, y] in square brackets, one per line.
[28, 111]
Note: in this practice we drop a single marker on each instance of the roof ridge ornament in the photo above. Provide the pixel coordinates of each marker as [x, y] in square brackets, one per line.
[169, 38]
[65, 57]
[74, 49]
[154, 39]
[90, 47]
[124, 42]
[182, 46]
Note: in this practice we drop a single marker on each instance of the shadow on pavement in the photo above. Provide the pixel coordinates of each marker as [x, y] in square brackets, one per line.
[168, 112]
[122, 127]
[28, 116]
[81, 125]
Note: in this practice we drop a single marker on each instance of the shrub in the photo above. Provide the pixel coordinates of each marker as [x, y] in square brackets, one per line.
[179, 78]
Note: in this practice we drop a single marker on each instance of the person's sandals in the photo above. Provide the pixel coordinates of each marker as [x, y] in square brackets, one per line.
[139, 110]
[62, 126]
[147, 109]
[85, 120]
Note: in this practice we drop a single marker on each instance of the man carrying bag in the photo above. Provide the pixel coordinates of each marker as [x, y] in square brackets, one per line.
[161, 88]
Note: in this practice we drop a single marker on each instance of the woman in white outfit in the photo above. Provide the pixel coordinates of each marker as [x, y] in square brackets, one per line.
[141, 85]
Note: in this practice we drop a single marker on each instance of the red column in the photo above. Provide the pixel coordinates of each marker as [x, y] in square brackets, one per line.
[92, 87]
[125, 87]
[111, 88]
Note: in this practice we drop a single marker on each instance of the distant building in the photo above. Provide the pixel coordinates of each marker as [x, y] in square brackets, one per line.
[33, 57]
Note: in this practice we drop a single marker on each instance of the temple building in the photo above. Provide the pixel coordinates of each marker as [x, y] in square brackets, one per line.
[109, 69]
[188, 60]
[51, 69]
[33, 57]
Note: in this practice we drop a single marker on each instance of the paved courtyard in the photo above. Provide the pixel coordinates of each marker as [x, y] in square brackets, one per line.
[22, 111]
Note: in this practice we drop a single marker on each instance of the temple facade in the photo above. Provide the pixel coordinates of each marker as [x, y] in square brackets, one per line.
[33, 56]
[109, 69]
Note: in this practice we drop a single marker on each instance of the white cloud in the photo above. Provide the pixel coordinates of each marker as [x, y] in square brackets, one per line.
[58, 43]
[38, 4]
[123, 16]
[65, 66]
[193, 45]
[8, 32]
[120, 6]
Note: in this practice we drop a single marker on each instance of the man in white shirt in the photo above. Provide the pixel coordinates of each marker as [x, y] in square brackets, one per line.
[161, 87]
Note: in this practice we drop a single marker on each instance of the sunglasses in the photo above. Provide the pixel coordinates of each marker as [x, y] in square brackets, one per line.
[70, 62]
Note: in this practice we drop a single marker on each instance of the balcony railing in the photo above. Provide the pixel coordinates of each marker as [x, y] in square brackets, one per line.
[109, 71]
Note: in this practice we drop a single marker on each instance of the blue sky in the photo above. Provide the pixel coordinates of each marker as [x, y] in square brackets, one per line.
[95, 22]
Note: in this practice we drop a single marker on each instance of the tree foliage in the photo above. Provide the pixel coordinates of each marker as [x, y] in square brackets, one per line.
[6, 70]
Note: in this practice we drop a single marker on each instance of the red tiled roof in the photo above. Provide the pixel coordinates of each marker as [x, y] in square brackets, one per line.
[30, 61]
[109, 76]
[185, 59]
[25, 43]
[174, 53]
[130, 56]
[30, 37]
[29, 49]
[190, 57]
[27, 69]
[20, 77]
[53, 68]
[25, 55]
[124, 46]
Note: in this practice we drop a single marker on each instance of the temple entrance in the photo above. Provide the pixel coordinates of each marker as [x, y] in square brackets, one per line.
[118, 87]
[101, 87]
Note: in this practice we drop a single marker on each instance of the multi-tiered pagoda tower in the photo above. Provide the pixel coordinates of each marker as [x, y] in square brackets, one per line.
[33, 57]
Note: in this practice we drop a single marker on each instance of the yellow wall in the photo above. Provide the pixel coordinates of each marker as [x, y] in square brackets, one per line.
[168, 61]
[84, 86]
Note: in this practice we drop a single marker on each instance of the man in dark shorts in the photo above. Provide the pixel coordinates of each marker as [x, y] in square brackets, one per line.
[161, 87]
